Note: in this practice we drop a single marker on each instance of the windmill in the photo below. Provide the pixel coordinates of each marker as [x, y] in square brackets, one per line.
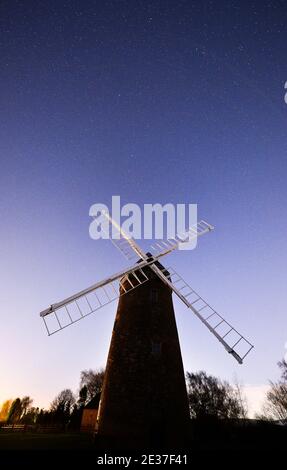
[144, 399]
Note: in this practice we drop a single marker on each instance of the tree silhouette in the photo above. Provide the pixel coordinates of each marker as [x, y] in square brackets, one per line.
[93, 381]
[275, 406]
[283, 366]
[31, 416]
[4, 413]
[15, 411]
[61, 407]
[26, 403]
[210, 397]
[83, 394]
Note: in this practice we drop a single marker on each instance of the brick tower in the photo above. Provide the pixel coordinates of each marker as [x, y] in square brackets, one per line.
[144, 399]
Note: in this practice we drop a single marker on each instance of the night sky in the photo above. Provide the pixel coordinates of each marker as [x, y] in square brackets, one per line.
[155, 101]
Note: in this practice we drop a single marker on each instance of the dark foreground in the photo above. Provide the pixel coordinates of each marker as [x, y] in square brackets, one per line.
[209, 442]
[42, 441]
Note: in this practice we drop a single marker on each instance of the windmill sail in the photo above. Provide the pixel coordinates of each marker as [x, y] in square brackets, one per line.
[124, 246]
[163, 247]
[95, 297]
[124, 242]
[233, 341]
[131, 250]
[82, 304]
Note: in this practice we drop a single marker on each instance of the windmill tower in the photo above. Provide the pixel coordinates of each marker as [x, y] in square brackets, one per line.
[144, 400]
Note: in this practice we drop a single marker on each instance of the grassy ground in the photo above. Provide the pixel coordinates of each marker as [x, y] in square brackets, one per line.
[42, 441]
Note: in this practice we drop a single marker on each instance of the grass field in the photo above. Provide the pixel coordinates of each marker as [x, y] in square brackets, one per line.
[43, 441]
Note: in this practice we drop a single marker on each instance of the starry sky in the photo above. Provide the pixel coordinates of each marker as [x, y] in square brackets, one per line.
[156, 101]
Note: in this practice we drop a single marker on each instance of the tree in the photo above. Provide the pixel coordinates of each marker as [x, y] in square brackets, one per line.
[242, 400]
[44, 417]
[78, 408]
[64, 400]
[275, 406]
[4, 412]
[26, 403]
[76, 417]
[61, 406]
[210, 397]
[93, 381]
[15, 411]
[283, 366]
[83, 393]
[31, 416]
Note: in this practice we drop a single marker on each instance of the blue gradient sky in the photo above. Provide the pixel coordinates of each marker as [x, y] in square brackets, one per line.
[166, 101]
